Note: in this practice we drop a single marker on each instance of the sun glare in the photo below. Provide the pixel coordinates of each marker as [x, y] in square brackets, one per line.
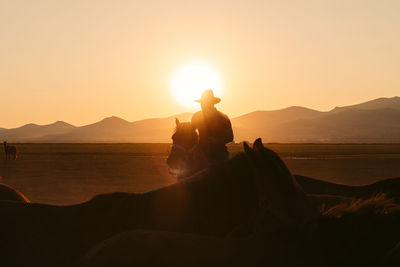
[190, 81]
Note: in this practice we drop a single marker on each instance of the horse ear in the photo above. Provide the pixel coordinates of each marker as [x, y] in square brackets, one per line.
[247, 148]
[258, 145]
[177, 121]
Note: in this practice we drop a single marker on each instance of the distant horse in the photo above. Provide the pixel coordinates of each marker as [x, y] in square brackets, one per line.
[10, 151]
[222, 201]
[186, 158]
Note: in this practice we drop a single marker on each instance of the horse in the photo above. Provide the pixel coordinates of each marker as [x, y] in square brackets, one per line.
[10, 151]
[186, 157]
[224, 201]
[364, 232]
[269, 217]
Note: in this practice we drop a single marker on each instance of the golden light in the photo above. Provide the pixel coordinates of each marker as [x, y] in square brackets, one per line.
[189, 82]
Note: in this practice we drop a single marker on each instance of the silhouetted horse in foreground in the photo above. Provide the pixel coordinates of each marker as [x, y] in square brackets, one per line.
[362, 233]
[10, 151]
[252, 192]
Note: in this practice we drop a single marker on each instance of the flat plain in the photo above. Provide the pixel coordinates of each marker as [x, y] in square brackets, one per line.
[66, 174]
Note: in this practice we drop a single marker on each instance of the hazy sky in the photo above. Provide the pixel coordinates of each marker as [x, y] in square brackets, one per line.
[80, 61]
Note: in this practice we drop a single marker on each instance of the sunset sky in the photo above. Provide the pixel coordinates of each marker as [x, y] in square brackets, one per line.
[81, 61]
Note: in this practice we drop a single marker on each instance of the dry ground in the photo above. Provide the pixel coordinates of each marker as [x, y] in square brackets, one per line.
[72, 173]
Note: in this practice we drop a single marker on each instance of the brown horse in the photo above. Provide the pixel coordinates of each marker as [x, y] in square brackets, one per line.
[194, 250]
[361, 233]
[10, 151]
[186, 158]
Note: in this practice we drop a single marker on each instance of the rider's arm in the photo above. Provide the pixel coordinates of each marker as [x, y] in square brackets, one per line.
[225, 133]
[195, 120]
[228, 133]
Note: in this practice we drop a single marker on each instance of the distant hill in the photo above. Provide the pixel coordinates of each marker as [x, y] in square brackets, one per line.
[350, 125]
[31, 132]
[276, 116]
[114, 129]
[393, 103]
[373, 121]
[258, 123]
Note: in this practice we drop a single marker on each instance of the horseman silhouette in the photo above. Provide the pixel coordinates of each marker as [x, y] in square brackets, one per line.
[214, 127]
[192, 152]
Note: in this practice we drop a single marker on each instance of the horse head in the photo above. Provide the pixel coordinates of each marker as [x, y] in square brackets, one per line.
[281, 200]
[185, 157]
[184, 143]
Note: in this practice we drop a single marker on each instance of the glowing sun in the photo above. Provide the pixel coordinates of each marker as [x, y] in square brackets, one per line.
[189, 82]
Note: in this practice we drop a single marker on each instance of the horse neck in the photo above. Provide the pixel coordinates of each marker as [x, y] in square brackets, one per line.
[235, 175]
[282, 204]
[226, 188]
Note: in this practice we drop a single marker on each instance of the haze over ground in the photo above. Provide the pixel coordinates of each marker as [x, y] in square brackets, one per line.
[81, 61]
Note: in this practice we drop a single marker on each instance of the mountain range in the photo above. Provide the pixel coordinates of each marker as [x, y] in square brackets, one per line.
[375, 121]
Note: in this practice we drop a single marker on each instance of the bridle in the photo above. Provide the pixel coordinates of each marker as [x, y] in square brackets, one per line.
[187, 154]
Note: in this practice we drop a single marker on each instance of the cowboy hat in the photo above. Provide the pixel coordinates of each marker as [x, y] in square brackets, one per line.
[208, 96]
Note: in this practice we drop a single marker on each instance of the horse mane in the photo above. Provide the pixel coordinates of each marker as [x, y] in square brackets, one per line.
[377, 205]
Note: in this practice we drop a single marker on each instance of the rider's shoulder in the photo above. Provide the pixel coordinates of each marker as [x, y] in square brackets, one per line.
[223, 115]
[197, 115]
